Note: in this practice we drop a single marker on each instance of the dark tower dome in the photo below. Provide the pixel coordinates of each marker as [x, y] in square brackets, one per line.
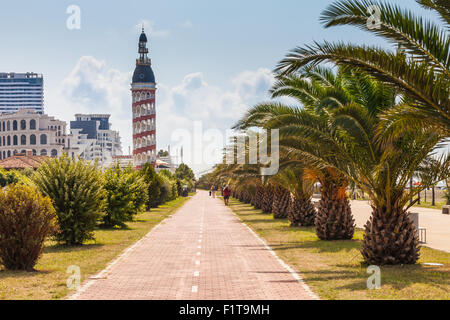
[143, 37]
[143, 72]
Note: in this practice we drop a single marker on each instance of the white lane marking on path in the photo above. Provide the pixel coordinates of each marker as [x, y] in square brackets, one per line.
[283, 264]
[199, 247]
[198, 253]
[194, 288]
[196, 273]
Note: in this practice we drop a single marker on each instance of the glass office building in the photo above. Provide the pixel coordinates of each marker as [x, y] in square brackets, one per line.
[21, 91]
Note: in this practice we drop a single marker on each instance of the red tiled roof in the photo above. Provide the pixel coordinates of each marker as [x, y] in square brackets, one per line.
[21, 161]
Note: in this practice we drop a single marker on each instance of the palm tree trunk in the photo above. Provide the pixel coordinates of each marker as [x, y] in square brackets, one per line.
[390, 238]
[259, 197]
[280, 199]
[410, 189]
[334, 219]
[301, 212]
[267, 200]
[433, 199]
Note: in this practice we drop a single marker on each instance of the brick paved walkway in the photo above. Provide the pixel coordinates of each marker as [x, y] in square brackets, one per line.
[202, 252]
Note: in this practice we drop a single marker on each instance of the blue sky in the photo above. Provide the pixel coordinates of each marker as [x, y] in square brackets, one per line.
[212, 59]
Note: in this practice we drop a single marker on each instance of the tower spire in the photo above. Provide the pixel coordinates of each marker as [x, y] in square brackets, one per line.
[143, 51]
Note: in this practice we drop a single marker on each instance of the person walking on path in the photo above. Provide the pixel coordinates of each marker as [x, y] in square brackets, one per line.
[226, 194]
[213, 191]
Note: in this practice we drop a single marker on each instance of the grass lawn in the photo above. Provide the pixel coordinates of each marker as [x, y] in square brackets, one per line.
[49, 282]
[438, 205]
[334, 270]
[427, 204]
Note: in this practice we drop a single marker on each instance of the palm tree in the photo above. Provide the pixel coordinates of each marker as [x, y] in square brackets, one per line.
[286, 181]
[343, 144]
[243, 179]
[319, 90]
[419, 71]
[300, 211]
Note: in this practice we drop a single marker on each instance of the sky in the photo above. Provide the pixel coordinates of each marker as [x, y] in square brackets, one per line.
[212, 59]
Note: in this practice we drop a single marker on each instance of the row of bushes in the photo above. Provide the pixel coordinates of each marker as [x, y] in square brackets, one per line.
[68, 199]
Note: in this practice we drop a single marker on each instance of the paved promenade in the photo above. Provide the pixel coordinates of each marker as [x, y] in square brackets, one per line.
[436, 223]
[201, 252]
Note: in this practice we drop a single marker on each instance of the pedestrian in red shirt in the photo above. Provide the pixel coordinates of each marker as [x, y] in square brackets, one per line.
[226, 194]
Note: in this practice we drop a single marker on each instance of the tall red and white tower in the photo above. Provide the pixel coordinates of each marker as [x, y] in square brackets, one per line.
[143, 89]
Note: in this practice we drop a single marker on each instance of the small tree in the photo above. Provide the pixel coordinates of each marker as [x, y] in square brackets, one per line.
[183, 172]
[167, 173]
[163, 153]
[126, 195]
[77, 193]
[153, 182]
[174, 182]
[26, 219]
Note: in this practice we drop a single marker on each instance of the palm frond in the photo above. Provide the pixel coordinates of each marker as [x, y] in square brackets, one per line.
[423, 39]
[442, 7]
[414, 79]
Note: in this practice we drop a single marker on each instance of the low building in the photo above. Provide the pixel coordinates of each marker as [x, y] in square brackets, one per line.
[23, 161]
[124, 161]
[27, 129]
[165, 162]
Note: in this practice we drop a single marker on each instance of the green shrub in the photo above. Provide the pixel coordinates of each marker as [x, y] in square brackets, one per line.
[26, 219]
[173, 194]
[139, 191]
[167, 189]
[166, 173]
[76, 190]
[153, 182]
[8, 177]
[126, 195]
[179, 185]
[189, 183]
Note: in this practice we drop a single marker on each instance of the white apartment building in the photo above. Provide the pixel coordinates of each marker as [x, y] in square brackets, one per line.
[27, 129]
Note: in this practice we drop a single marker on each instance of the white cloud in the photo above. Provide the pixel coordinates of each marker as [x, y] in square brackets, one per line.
[150, 29]
[187, 24]
[93, 87]
[194, 99]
